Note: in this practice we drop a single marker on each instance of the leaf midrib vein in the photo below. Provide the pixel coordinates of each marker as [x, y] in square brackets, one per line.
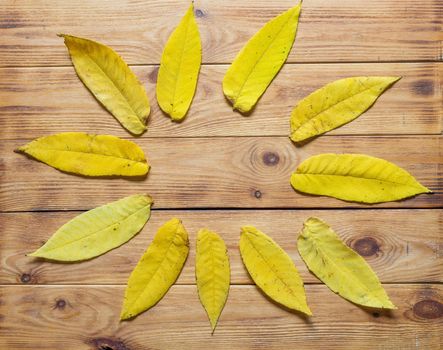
[156, 270]
[335, 104]
[179, 66]
[97, 231]
[271, 268]
[114, 84]
[96, 154]
[364, 178]
[337, 267]
[260, 58]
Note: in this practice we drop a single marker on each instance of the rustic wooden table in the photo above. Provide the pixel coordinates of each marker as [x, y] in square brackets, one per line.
[221, 170]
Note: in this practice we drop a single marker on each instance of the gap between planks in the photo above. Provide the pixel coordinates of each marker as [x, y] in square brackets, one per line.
[229, 63]
[226, 209]
[68, 285]
[136, 138]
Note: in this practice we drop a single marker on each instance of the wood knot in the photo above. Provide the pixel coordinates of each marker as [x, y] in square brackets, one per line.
[257, 194]
[25, 278]
[376, 314]
[153, 75]
[108, 344]
[199, 13]
[428, 308]
[60, 304]
[271, 158]
[423, 87]
[366, 246]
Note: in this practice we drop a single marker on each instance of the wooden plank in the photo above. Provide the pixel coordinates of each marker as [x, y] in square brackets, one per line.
[41, 101]
[388, 239]
[43, 317]
[339, 31]
[236, 172]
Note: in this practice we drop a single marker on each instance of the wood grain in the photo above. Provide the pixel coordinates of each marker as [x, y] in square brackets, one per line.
[386, 238]
[236, 172]
[41, 101]
[48, 317]
[339, 31]
[221, 170]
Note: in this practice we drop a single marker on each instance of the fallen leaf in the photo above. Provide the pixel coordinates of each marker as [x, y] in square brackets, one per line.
[339, 267]
[179, 68]
[89, 155]
[272, 269]
[98, 230]
[157, 270]
[336, 104]
[111, 81]
[212, 273]
[260, 60]
[355, 177]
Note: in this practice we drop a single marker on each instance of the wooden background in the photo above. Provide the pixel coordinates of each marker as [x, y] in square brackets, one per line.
[221, 170]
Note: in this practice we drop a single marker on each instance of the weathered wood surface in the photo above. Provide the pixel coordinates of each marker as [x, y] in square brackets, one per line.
[42, 101]
[79, 317]
[46, 305]
[388, 239]
[329, 31]
[217, 172]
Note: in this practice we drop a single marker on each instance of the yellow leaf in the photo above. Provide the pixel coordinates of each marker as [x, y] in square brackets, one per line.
[212, 273]
[98, 230]
[272, 269]
[336, 104]
[111, 81]
[179, 67]
[260, 60]
[157, 269]
[339, 267]
[355, 177]
[89, 155]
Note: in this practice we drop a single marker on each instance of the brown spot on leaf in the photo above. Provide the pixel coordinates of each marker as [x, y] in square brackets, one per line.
[366, 246]
[428, 308]
[423, 87]
[271, 158]
[108, 344]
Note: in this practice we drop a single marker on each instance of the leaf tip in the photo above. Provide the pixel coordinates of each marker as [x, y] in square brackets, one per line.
[394, 79]
[245, 229]
[213, 326]
[125, 315]
[386, 304]
[307, 311]
[297, 8]
[149, 199]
